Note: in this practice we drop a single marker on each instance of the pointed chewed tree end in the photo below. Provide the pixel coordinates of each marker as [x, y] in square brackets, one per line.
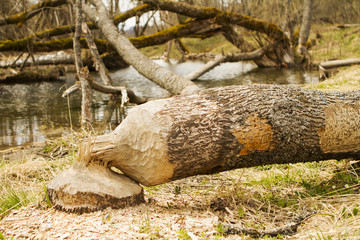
[85, 189]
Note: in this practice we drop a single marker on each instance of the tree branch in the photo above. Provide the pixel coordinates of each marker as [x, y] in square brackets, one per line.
[201, 27]
[19, 18]
[82, 73]
[270, 29]
[165, 78]
[287, 229]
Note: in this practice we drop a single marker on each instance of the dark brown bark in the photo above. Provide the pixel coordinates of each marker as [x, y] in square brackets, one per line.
[226, 128]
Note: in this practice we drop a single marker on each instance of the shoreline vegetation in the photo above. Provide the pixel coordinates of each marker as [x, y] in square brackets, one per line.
[199, 207]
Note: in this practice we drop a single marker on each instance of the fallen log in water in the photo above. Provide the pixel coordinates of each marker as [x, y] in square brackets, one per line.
[12, 76]
[214, 130]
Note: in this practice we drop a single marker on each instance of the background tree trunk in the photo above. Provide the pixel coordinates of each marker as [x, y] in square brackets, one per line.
[82, 73]
[306, 24]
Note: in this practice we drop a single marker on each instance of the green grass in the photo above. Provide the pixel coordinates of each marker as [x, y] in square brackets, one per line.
[24, 174]
[183, 234]
[14, 199]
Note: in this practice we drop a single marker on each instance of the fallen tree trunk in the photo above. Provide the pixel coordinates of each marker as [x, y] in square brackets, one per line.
[340, 63]
[270, 29]
[177, 31]
[53, 58]
[111, 60]
[11, 76]
[215, 130]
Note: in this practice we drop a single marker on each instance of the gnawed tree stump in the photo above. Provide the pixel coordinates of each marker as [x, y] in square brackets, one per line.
[214, 130]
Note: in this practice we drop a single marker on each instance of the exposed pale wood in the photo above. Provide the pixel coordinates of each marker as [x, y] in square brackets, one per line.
[84, 189]
[226, 128]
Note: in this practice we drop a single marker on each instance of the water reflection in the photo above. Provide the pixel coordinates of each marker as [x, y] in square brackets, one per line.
[34, 112]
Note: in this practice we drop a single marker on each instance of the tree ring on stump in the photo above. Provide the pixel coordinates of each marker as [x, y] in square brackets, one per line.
[90, 188]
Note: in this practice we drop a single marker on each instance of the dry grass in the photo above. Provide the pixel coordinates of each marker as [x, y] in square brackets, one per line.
[347, 79]
[24, 171]
[192, 208]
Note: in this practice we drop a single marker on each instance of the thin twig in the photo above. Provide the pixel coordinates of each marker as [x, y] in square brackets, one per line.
[287, 229]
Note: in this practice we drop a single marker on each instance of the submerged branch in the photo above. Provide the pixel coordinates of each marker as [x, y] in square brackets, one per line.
[133, 98]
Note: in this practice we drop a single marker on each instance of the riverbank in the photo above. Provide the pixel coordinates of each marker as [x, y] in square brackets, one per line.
[197, 207]
[257, 198]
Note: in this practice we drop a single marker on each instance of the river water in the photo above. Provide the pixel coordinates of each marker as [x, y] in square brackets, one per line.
[35, 112]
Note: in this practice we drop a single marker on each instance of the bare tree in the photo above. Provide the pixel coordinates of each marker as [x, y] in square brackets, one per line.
[168, 80]
[82, 72]
[305, 29]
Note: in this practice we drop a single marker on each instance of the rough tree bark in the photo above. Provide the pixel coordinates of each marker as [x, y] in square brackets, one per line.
[215, 130]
